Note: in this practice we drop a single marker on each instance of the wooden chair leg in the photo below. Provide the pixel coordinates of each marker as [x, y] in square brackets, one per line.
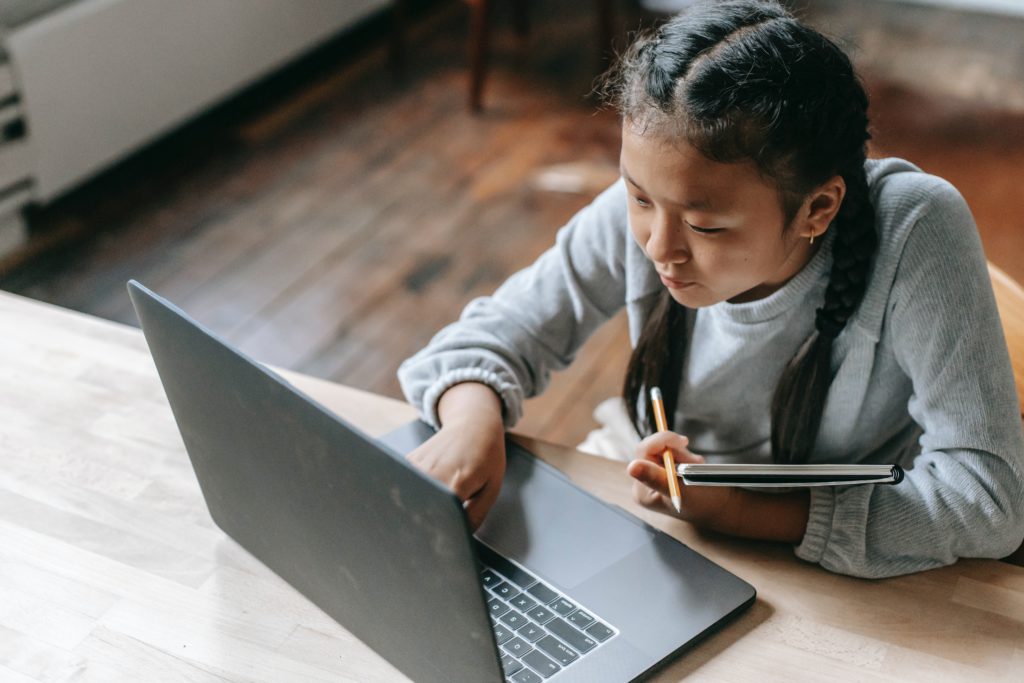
[399, 23]
[522, 18]
[478, 41]
[604, 32]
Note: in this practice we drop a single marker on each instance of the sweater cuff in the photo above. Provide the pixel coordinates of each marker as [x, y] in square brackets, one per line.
[511, 409]
[819, 524]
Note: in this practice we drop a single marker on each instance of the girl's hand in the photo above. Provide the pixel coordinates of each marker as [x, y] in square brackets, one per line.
[469, 461]
[468, 453]
[701, 505]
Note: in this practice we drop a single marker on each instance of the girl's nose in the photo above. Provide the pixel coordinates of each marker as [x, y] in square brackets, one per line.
[666, 243]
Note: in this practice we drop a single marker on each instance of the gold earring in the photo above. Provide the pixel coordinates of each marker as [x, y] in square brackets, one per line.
[812, 238]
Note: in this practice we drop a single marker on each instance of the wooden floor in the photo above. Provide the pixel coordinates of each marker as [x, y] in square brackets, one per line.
[333, 223]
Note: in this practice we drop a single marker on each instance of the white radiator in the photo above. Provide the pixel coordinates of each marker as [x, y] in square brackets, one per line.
[94, 81]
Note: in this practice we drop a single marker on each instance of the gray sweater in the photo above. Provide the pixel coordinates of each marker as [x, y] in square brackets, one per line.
[922, 376]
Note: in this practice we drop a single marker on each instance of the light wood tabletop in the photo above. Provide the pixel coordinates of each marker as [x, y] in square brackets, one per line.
[112, 570]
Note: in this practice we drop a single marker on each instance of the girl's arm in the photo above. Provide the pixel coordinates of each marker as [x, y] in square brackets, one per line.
[963, 496]
[534, 323]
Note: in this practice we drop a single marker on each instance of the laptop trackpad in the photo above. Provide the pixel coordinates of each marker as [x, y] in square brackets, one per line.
[552, 527]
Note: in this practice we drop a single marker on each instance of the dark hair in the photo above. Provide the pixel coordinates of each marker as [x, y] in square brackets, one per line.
[745, 81]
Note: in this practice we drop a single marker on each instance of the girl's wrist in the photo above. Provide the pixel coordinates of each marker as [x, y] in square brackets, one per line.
[470, 405]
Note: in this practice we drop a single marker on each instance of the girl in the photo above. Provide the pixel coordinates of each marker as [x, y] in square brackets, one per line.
[794, 301]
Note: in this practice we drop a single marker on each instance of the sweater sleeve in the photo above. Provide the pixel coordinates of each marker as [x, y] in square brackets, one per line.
[535, 322]
[963, 495]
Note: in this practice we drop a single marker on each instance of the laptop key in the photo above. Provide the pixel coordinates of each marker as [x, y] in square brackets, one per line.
[580, 619]
[543, 594]
[526, 676]
[600, 631]
[496, 607]
[489, 578]
[562, 606]
[523, 603]
[501, 634]
[558, 650]
[541, 614]
[505, 590]
[541, 664]
[517, 647]
[509, 665]
[513, 619]
[568, 633]
[531, 632]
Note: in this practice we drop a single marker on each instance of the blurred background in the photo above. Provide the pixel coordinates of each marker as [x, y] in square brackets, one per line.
[327, 183]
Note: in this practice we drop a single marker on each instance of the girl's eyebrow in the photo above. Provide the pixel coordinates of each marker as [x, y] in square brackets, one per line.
[625, 174]
[693, 204]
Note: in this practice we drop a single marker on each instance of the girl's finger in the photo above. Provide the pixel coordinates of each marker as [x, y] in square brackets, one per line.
[653, 446]
[647, 497]
[649, 474]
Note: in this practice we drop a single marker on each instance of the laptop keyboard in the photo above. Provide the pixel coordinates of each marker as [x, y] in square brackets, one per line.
[539, 630]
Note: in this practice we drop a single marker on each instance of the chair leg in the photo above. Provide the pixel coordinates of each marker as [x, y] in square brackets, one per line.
[399, 23]
[604, 32]
[522, 18]
[478, 41]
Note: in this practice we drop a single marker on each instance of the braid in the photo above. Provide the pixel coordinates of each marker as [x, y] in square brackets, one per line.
[654, 365]
[799, 400]
[854, 245]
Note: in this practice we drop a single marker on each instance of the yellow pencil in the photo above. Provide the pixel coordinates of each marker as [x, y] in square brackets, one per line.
[670, 465]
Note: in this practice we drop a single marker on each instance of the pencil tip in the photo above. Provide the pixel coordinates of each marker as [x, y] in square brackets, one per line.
[677, 503]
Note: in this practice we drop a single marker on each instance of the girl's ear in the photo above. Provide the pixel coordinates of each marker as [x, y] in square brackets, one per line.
[821, 206]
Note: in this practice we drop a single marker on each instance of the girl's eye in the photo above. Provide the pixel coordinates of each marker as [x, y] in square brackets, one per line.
[641, 202]
[704, 231]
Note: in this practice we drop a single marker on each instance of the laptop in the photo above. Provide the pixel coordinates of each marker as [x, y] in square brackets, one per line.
[555, 585]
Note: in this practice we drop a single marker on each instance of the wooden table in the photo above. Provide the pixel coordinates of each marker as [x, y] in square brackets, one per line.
[111, 569]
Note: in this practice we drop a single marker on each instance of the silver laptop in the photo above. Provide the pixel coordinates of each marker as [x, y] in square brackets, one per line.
[555, 585]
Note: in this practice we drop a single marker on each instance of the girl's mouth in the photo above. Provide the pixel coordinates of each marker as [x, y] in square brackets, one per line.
[675, 284]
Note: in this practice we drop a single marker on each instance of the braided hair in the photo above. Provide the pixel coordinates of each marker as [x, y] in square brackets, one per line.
[744, 80]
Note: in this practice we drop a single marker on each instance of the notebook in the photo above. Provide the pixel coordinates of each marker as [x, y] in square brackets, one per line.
[556, 585]
[705, 474]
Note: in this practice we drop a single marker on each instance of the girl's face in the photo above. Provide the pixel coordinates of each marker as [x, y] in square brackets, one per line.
[713, 231]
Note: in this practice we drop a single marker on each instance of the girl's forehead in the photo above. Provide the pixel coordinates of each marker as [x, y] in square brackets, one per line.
[664, 152]
[661, 164]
